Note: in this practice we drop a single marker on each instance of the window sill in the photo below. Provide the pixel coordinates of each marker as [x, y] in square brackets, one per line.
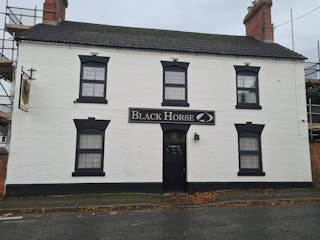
[175, 103]
[88, 174]
[248, 106]
[251, 173]
[91, 100]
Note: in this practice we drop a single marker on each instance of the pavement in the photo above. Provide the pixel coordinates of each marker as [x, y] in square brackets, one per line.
[118, 202]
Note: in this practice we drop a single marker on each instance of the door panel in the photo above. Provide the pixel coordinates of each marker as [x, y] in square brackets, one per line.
[174, 161]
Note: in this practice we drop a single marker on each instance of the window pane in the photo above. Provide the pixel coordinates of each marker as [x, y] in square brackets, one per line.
[90, 141]
[172, 77]
[92, 90]
[94, 73]
[246, 81]
[249, 144]
[249, 161]
[246, 96]
[174, 136]
[175, 93]
[89, 160]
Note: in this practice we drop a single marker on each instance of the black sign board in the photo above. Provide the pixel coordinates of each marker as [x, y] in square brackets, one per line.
[151, 115]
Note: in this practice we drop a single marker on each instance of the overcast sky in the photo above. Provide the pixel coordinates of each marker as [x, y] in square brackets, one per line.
[208, 16]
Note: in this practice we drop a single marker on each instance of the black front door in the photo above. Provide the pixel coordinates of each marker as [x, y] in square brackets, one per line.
[174, 161]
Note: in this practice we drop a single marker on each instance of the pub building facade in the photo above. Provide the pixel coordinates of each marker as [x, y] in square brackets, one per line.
[117, 109]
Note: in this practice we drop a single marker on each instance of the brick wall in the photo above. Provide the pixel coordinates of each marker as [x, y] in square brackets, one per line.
[315, 161]
[3, 171]
[54, 10]
[258, 21]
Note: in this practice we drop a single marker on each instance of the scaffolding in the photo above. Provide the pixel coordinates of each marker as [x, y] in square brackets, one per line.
[16, 20]
[314, 121]
[312, 76]
[312, 70]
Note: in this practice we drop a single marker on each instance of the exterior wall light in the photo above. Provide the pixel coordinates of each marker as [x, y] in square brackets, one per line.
[196, 137]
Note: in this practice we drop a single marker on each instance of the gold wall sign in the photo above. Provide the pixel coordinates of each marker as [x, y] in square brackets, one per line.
[24, 92]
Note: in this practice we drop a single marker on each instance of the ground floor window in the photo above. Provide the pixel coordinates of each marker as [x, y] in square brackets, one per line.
[249, 144]
[90, 147]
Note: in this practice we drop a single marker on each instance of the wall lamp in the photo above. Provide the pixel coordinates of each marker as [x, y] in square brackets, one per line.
[196, 137]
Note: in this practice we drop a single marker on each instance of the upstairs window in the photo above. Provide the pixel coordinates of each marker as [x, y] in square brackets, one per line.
[93, 79]
[249, 143]
[247, 87]
[175, 85]
[90, 147]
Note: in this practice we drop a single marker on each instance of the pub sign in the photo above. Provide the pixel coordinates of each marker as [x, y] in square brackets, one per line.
[151, 115]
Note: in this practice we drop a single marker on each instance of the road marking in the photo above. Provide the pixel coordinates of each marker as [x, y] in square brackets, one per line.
[11, 218]
[7, 215]
[23, 221]
[235, 225]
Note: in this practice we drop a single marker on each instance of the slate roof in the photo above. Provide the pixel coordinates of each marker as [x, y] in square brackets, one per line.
[157, 40]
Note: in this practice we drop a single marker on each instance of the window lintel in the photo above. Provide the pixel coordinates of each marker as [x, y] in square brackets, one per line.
[246, 68]
[97, 59]
[249, 127]
[91, 123]
[175, 64]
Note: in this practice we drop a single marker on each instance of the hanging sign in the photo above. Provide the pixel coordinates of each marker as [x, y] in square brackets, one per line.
[150, 115]
[24, 92]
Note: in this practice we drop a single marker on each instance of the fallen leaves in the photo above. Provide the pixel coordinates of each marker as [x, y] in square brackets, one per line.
[274, 202]
[121, 208]
[196, 198]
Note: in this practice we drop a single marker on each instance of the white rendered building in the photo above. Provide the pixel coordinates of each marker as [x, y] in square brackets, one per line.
[116, 109]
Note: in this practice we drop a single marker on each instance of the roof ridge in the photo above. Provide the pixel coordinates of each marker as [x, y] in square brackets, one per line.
[161, 30]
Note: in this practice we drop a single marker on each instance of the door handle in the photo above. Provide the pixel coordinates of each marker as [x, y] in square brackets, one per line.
[184, 170]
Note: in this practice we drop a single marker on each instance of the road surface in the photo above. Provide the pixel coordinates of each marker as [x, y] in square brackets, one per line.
[244, 223]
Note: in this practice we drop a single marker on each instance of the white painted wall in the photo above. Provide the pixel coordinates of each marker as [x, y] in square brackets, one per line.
[43, 141]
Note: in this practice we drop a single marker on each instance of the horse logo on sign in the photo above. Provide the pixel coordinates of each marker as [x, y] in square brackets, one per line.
[204, 117]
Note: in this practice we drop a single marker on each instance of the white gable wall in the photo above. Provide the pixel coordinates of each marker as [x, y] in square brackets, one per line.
[43, 141]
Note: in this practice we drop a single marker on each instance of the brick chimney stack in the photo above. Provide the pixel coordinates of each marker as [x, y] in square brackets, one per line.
[258, 20]
[54, 11]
